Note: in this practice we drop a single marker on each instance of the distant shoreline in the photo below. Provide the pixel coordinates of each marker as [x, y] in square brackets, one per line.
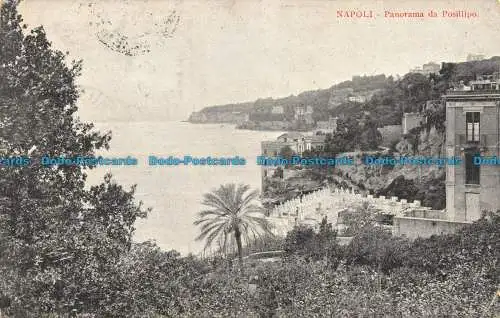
[237, 126]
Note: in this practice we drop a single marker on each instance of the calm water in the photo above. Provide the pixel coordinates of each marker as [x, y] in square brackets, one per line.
[175, 192]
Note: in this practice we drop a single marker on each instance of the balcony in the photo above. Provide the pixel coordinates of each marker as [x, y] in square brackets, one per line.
[462, 142]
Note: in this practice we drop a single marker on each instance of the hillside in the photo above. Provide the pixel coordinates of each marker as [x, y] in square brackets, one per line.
[322, 101]
[385, 97]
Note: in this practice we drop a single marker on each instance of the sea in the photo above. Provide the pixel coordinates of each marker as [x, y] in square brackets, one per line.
[175, 192]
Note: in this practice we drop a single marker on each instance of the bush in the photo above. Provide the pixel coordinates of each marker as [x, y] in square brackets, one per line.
[375, 247]
[303, 241]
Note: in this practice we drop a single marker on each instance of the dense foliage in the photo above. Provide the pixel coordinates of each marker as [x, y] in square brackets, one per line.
[353, 133]
[59, 242]
[375, 275]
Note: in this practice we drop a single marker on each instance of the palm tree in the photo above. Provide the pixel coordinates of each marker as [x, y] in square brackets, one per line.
[232, 214]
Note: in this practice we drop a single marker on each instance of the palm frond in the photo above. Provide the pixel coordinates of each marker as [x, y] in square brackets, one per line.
[215, 212]
[260, 223]
[232, 209]
[253, 209]
[216, 202]
[247, 230]
[212, 236]
[209, 216]
[250, 197]
[240, 191]
[208, 230]
[211, 223]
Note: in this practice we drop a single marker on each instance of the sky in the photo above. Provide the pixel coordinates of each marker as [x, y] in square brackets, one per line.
[241, 50]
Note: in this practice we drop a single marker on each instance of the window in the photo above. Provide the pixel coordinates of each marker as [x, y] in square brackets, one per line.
[472, 171]
[472, 122]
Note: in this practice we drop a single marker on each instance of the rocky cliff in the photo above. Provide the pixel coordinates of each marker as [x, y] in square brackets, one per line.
[424, 183]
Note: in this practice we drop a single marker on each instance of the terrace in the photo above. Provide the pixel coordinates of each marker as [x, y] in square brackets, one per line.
[482, 85]
[473, 92]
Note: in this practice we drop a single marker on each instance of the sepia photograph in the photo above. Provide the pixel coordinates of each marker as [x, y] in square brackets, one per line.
[249, 158]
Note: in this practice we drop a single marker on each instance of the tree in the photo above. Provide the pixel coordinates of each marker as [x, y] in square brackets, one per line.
[286, 153]
[370, 137]
[303, 241]
[58, 240]
[345, 138]
[417, 89]
[374, 246]
[232, 215]
[278, 173]
[299, 239]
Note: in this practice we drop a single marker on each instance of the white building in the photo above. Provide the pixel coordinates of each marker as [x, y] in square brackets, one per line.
[357, 99]
[308, 143]
[328, 126]
[475, 57]
[304, 114]
[277, 110]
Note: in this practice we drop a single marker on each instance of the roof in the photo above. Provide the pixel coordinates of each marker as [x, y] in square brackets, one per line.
[291, 135]
[317, 138]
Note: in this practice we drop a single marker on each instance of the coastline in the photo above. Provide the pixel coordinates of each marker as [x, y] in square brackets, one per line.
[239, 127]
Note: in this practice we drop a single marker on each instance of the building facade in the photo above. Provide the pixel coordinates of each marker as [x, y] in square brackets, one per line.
[427, 69]
[304, 114]
[239, 117]
[473, 186]
[309, 143]
[475, 57]
[299, 143]
[272, 148]
[292, 137]
[431, 67]
[357, 99]
[277, 110]
[327, 127]
[473, 130]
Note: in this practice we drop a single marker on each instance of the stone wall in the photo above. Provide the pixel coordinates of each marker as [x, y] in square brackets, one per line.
[410, 219]
[311, 208]
[410, 121]
[427, 214]
[412, 227]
